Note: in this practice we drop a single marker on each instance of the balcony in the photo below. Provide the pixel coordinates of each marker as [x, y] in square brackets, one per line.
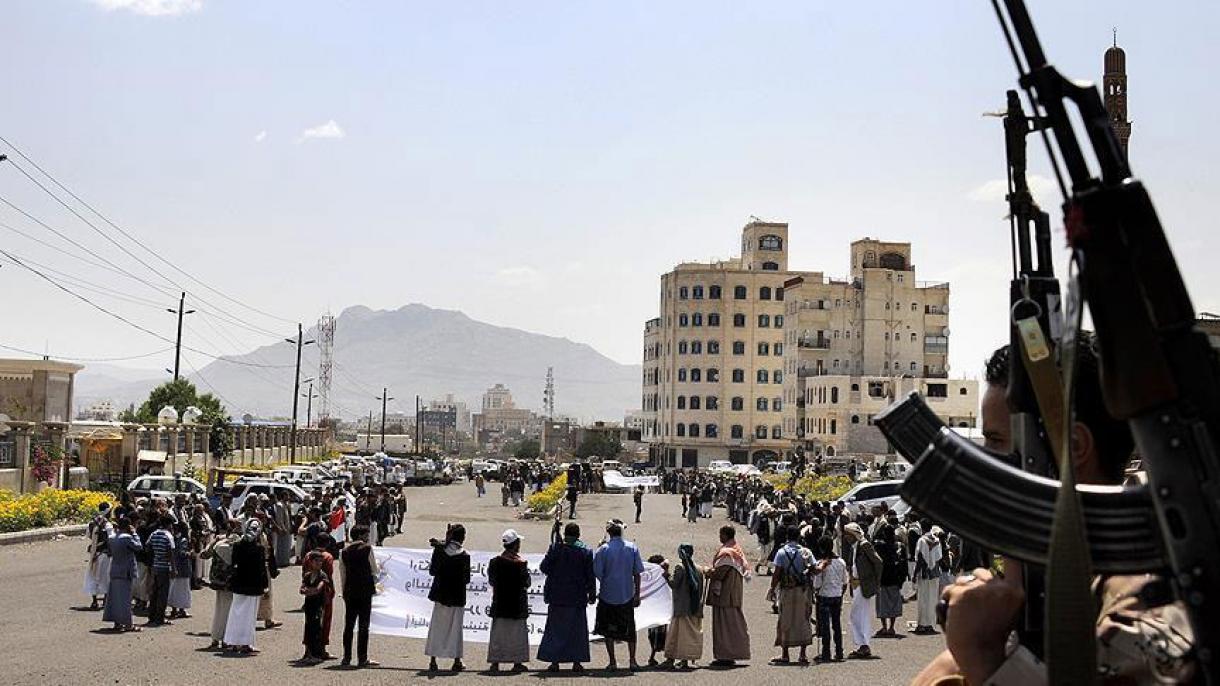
[813, 342]
[936, 348]
[802, 372]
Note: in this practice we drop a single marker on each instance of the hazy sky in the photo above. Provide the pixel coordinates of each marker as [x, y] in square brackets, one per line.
[539, 164]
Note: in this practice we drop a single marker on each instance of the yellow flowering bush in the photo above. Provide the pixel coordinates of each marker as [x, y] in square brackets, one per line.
[50, 507]
[544, 500]
[815, 487]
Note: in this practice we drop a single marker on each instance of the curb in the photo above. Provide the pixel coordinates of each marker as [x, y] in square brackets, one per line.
[34, 535]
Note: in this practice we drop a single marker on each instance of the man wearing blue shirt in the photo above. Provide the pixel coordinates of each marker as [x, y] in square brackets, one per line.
[617, 566]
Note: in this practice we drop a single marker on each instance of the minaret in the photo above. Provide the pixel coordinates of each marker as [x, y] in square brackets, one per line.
[1114, 80]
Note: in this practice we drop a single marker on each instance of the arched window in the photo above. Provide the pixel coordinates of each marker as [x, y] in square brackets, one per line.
[713, 347]
[770, 242]
[711, 431]
[739, 376]
[713, 375]
[764, 293]
[696, 347]
[696, 375]
[855, 419]
[681, 402]
[681, 429]
[737, 404]
[739, 320]
[693, 430]
[778, 348]
[960, 391]
[739, 347]
[695, 402]
[713, 292]
[777, 431]
[830, 451]
[777, 376]
[914, 307]
[760, 431]
[779, 321]
[855, 388]
[682, 347]
[761, 404]
[770, 266]
[696, 319]
[712, 403]
[697, 292]
[914, 337]
[764, 321]
[764, 348]
[713, 319]
[762, 376]
[834, 394]
[779, 293]
[739, 292]
[682, 374]
[683, 293]
[683, 320]
[777, 404]
[736, 431]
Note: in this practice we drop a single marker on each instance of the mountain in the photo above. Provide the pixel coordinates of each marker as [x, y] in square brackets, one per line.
[120, 385]
[430, 352]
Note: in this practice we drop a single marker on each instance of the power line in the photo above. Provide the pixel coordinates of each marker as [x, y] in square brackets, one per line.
[120, 229]
[66, 358]
[96, 288]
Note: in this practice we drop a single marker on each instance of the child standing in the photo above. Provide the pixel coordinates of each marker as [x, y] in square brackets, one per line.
[179, 598]
[317, 587]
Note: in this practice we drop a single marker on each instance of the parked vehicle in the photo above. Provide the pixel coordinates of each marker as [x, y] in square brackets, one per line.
[245, 488]
[716, 466]
[779, 467]
[867, 495]
[150, 486]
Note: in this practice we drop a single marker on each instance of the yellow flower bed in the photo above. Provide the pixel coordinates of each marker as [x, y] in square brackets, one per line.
[812, 487]
[544, 500]
[51, 507]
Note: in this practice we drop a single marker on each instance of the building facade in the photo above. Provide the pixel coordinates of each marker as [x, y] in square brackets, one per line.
[1114, 85]
[37, 390]
[855, 345]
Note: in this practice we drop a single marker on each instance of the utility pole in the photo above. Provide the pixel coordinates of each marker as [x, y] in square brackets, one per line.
[368, 436]
[309, 406]
[384, 398]
[178, 346]
[417, 427]
[296, 392]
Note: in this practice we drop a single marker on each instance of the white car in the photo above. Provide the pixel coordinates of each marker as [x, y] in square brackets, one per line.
[867, 495]
[154, 486]
[245, 488]
[612, 466]
[716, 466]
[746, 469]
[779, 467]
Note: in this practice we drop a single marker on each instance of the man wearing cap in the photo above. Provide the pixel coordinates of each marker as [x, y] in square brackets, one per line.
[617, 566]
[865, 571]
[509, 578]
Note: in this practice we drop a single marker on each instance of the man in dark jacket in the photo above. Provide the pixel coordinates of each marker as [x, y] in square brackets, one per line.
[865, 568]
[450, 570]
[358, 569]
[570, 587]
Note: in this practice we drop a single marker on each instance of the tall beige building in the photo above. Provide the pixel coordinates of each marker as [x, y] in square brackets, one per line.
[739, 364]
[855, 345]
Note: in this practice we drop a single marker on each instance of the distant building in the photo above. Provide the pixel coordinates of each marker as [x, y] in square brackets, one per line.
[500, 415]
[37, 390]
[458, 407]
[1114, 83]
[100, 411]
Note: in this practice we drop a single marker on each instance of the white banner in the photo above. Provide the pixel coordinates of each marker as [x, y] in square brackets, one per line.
[615, 479]
[402, 607]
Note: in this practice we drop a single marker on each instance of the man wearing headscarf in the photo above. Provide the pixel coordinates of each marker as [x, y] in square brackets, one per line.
[220, 552]
[928, 552]
[97, 574]
[726, 585]
[865, 568]
[248, 581]
[509, 578]
[570, 587]
[684, 638]
[450, 571]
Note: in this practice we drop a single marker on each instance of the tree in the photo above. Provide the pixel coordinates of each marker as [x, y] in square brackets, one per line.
[598, 443]
[529, 449]
[180, 395]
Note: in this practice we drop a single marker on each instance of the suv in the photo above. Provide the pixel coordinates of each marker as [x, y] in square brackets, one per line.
[244, 488]
[865, 496]
[150, 485]
[717, 466]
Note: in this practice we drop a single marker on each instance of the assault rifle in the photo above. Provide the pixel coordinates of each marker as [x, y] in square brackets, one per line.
[1157, 371]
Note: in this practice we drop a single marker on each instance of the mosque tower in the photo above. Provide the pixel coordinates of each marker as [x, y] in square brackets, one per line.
[1114, 81]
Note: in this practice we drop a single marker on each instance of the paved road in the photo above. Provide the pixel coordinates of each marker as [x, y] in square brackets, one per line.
[50, 639]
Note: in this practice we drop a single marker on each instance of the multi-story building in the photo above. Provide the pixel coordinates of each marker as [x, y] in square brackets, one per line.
[458, 407]
[37, 390]
[713, 361]
[854, 345]
[501, 415]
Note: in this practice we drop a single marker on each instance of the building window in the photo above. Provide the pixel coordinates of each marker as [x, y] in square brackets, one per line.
[682, 374]
[693, 430]
[834, 424]
[713, 347]
[713, 319]
[938, 390]
[876, 389]
[739, 320]
[834, 395]
[770, 266]
[683, 293]
[914, 337]
[855, 388]
[694, 402]
[764, 293]
[770, 242]
[681, 429]
[760, 431]
[914, 307]
[836, 363]
[779, 293]
[777, 376]
[764, 321]
[739, 376]
[737, 404]
[713, 292]
[838, 302]
[960, 391]
[779, 321]
[681, 402]
[696, 348]
[683, 320]
[682, 347]
[696, 319]
[778, 348]
[855, 419]
[764, 348]
[897, 366]
[777, 432]
[712, 403]
[887, 333]
[777, 404]
[739, 347]
[696, 375]
[713, 375]
[762, 376]
[739, 292]
[697, 292]
[711, 431]
[914, 368]
[736, 431]
[761, 404]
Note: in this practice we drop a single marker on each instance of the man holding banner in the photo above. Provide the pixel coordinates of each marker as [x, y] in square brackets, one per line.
[618, 566]
[570, 586]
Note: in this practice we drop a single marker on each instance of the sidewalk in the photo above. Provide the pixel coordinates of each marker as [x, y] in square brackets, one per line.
[46, 534]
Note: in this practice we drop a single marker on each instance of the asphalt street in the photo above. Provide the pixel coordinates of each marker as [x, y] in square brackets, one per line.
[49, 636]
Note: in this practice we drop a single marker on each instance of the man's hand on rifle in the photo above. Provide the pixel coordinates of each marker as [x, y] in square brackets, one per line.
[981, 610]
